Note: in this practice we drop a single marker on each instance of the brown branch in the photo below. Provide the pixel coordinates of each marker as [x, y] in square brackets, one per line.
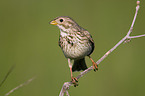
[66, 85]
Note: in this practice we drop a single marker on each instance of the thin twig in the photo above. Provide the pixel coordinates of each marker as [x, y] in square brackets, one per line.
[6, 76]
[137, 36]
[67, 84]
[21, 85]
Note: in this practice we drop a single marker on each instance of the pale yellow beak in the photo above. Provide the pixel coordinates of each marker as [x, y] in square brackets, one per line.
[53, 23]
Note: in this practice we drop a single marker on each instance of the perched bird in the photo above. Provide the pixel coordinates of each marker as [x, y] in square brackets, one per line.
[76, 43]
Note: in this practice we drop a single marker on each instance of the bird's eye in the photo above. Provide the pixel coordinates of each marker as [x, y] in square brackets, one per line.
[61, 20]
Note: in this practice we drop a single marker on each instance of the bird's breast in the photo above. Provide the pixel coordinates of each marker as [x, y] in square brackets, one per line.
[75, 47]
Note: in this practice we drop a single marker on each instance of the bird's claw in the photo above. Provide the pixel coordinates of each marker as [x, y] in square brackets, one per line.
[74, 80]
[95, 66]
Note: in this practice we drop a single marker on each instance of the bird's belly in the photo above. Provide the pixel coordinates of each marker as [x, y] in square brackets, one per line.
[77, 51]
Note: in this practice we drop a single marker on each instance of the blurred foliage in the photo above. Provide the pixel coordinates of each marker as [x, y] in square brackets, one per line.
[31, 43]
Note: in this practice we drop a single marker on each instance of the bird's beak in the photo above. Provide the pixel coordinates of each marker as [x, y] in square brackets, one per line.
[53, 22]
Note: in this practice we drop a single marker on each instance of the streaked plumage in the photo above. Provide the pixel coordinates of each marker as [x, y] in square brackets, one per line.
[75, 42]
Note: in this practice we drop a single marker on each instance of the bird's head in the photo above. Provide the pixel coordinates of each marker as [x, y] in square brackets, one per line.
[64, 23]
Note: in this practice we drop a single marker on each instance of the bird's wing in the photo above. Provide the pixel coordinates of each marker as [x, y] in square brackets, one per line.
[88, 35]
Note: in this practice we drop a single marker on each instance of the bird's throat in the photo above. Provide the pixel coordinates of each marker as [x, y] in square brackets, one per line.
[63, 34]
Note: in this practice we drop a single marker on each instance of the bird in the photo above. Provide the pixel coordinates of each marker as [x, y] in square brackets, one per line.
[76, 43]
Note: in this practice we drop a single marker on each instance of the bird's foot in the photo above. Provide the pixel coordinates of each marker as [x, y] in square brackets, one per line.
[95, 66]
[74, 80]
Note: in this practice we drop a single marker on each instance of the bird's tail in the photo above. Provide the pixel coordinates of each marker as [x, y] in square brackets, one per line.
[79, 65]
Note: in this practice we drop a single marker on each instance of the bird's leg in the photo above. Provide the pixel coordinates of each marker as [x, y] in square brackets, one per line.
[73, 79]
[95, 66]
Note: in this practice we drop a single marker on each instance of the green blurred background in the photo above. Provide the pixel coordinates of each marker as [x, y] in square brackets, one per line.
[31, 43]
